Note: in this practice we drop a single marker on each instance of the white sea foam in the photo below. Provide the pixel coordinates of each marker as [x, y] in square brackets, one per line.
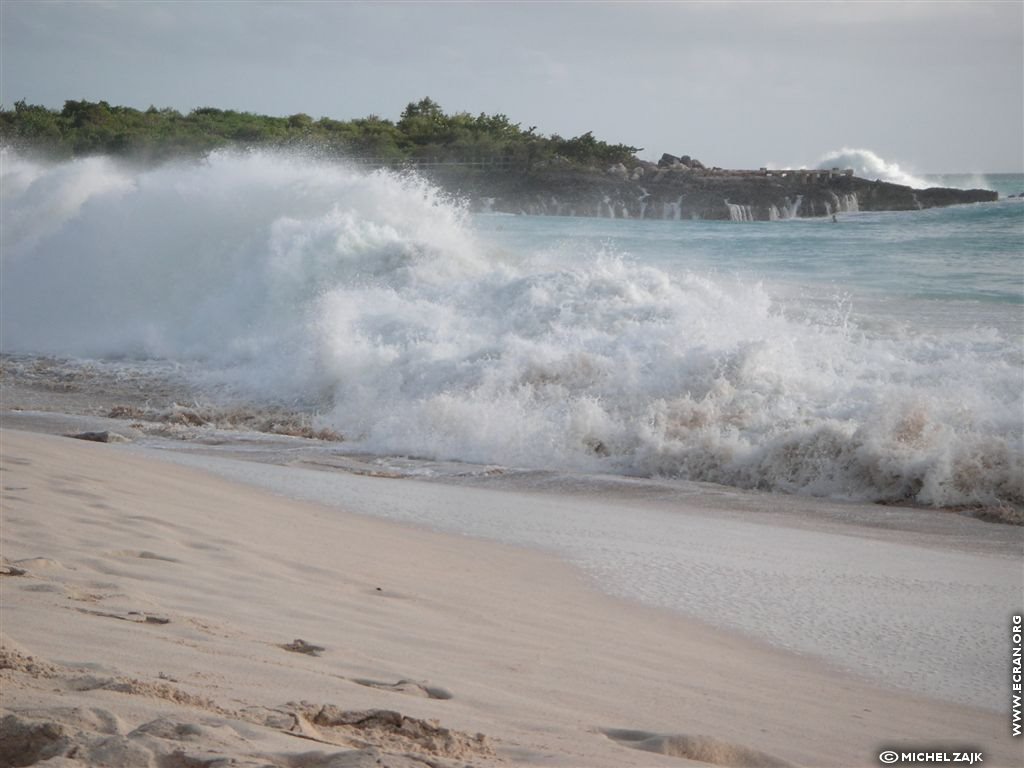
[868, 165]
[370, 298]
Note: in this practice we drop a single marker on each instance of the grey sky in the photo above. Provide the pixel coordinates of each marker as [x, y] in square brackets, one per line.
[936, 87]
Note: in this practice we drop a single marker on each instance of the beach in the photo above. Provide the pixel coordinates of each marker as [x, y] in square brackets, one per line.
[391, 483]
[478, 385]
[156, 614]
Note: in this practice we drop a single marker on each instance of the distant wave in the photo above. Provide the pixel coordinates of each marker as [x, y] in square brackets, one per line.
[867, 165]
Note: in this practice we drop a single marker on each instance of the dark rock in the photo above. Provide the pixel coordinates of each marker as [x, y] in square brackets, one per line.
[937, 197]
[301, 646]
[668, 161]
[101, 437]
[675, 191]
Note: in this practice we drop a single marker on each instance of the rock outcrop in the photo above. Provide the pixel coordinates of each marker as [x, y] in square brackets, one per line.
[673, 189]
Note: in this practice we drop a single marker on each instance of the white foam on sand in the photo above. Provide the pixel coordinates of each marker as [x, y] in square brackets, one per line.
[910, 614]
[158, 615]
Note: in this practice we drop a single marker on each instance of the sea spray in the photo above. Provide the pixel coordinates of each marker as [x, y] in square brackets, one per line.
[220, 260]
[868, 165]
[373, 300]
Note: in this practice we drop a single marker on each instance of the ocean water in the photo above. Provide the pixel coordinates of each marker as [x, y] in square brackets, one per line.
[878, 358]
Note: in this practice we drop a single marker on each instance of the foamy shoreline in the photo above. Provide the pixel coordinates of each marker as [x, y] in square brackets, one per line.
[492, 639]
[856, 585]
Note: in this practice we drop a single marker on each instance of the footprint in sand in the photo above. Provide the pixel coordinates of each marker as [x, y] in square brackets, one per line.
[67, 736]
[44, 587]
[137, 617]
[82, 718]
[22, 567]
[703, 749]
[391, 731]
[38, 563]
[407, 687]
[142, 555]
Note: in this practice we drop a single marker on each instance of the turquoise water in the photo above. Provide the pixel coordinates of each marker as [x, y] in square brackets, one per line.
[971, 252]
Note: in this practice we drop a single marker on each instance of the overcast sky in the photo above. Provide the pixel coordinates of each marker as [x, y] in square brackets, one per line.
[934, 86]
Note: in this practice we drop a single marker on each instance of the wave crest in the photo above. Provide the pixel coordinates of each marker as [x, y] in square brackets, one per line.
[868, 165]
[371, 299]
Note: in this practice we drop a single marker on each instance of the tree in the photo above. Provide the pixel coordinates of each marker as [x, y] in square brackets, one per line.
[423, 131]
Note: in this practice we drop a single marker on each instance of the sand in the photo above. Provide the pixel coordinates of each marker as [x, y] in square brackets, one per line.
[156, 615]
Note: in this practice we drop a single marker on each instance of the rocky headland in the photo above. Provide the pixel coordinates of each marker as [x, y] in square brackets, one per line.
[683, 188]
[487, 159]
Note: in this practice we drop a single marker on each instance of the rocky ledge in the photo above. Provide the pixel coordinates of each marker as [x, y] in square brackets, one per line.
[677, 190]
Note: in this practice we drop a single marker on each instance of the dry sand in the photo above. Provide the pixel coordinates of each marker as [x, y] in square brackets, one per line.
[154, 615]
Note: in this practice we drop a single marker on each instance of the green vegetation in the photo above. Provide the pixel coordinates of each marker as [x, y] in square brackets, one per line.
[424, 133]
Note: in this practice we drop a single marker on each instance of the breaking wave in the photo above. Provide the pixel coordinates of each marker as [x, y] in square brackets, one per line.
[867, 165]
[371, 299]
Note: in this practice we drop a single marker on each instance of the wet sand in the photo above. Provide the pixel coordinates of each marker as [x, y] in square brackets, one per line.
[156, 614]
